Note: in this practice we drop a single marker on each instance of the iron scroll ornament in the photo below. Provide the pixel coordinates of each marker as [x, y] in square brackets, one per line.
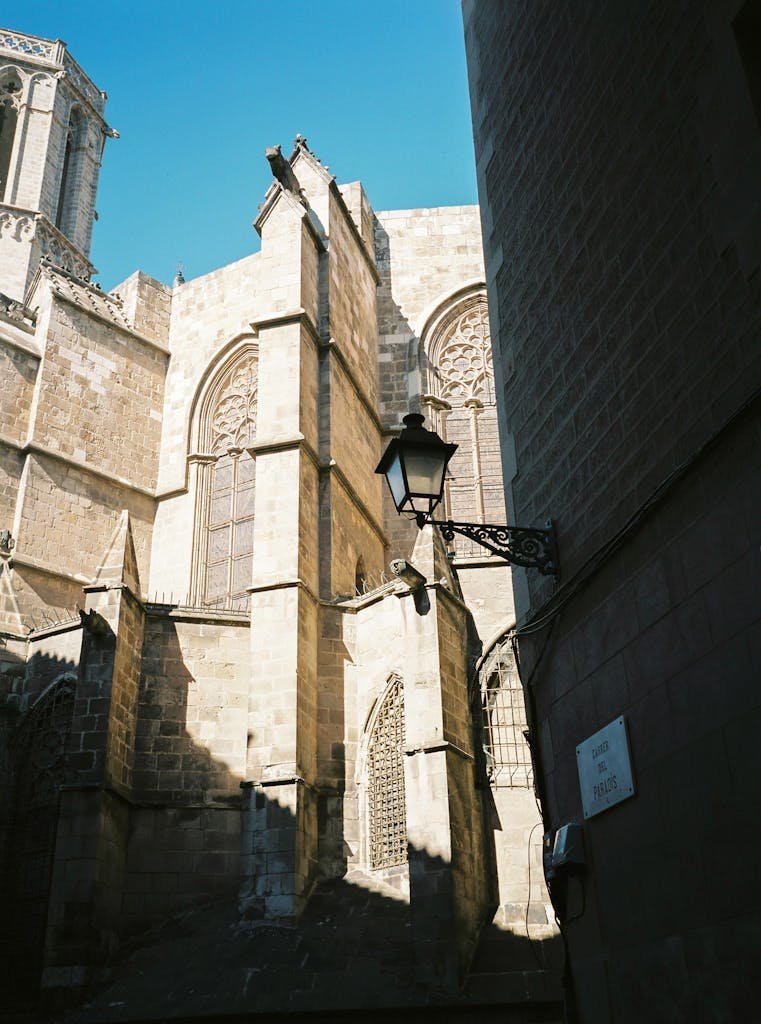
[526, 546]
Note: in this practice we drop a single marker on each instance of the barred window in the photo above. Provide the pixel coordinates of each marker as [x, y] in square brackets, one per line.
[387, 817]
[508, 757]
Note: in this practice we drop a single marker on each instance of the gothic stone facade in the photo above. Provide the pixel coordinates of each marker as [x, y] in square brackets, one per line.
[619, 156]
[214, 692]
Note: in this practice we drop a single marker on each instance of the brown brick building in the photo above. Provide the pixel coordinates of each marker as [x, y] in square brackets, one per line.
[619, 158]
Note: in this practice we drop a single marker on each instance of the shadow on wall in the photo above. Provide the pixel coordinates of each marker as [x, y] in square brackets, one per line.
[187, 951]
[357, 947]
[398, 380]
[32, 750]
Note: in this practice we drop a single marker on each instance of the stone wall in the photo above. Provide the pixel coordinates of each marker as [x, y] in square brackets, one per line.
[423, 256]
[632, 267]
[624, 299]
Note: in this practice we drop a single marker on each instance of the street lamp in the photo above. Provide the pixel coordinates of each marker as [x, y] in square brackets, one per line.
[415, 465]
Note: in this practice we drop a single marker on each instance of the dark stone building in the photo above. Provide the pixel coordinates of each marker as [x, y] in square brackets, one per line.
[619, 157]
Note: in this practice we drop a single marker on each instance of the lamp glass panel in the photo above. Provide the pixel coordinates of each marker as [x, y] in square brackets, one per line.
[425, 473]
[395, 478]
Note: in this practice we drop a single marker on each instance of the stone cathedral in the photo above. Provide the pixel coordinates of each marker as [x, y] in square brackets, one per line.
[246, 765]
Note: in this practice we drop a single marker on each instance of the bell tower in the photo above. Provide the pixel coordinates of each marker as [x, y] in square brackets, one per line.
[52, 133]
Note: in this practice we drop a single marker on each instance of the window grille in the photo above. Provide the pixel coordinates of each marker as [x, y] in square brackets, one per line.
[508, 757]
[386, 800]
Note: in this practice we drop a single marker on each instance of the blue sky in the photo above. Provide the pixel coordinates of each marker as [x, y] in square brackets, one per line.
[198, 89]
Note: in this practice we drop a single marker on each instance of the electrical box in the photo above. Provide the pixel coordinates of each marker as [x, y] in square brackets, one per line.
[568, 849]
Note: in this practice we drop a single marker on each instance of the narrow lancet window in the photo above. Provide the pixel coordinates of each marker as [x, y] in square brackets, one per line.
[10, 90]
[224, 538]
[66, 210]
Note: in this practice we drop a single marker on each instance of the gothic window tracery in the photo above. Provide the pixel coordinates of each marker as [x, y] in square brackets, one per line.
[459, 400]
[464, 364]
[10, 93]
[386, 808]
[226, 487]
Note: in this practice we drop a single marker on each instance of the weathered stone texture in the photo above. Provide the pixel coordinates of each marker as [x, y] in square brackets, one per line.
[93, 381]
[208, 313]
[622, 266]
[191, 730]
[18, 372]
[68, 513]
[423, 256]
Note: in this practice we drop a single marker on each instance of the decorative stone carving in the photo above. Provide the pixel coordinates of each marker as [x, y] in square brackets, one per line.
[56, 248]
[10, 91]
[19, 43]
[465, 361]
[16, 225]
[83, 85]
[233, 414]
[13, 310]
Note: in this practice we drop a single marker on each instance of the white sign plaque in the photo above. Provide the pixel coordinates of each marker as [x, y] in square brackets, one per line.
[605, 768]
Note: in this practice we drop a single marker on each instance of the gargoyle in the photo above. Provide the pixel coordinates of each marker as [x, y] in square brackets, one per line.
[282, 170]
[93, 622]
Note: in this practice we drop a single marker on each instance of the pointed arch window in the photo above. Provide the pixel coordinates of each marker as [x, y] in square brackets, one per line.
[226, 486]
[459, 399]
[74, 142]
[386, 807]
[10, 94]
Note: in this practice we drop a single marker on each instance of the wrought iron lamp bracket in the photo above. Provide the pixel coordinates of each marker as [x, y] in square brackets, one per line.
[526, 546]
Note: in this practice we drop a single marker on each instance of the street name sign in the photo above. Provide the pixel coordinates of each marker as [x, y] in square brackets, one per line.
[605, 768]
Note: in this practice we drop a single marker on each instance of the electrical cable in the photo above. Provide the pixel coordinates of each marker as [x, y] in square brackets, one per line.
[540, 965]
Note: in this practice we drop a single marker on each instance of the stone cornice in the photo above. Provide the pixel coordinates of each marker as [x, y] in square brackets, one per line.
[35, 448]
[121, 328]
[289, 584]
[26, 562]
[22, 344]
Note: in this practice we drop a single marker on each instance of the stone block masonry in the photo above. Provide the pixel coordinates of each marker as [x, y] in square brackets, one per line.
[617, 155]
